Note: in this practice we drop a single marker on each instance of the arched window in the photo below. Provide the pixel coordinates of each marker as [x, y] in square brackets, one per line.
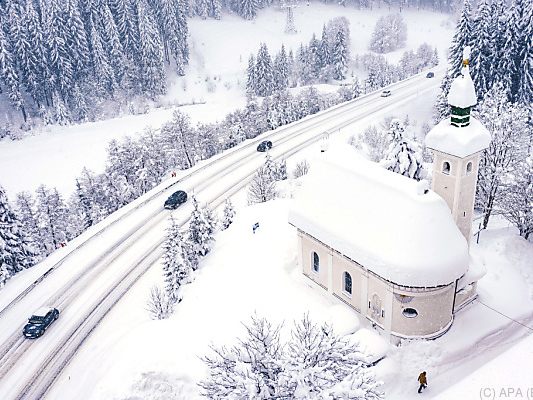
[469, 168]
[446, 168]
[316, 262]
[409, 312]
[347, 283]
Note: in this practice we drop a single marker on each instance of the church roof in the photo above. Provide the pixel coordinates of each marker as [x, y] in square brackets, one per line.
[462, 92]
[460, 142]
[380, 219]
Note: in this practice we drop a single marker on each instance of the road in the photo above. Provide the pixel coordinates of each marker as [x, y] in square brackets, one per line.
[94, 275]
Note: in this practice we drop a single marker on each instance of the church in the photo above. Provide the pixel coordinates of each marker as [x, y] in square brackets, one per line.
[386, 245]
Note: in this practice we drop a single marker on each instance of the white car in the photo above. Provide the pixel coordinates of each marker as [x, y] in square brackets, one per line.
[385, 93]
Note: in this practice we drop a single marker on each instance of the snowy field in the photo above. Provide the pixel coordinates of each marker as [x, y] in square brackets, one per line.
[215, 77]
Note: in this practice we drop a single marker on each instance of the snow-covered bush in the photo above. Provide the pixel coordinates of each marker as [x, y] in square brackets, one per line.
[159, 305]
[314, 363]
[374, 142]
[301, 169]
[389, 34]
[229, 214]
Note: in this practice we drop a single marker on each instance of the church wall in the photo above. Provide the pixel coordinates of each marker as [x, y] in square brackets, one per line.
[340, 265]
[377, 299]
[433, 307]
[465, 295]
[310, 245]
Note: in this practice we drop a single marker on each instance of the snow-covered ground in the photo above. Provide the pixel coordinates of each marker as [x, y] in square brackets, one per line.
[215, 78]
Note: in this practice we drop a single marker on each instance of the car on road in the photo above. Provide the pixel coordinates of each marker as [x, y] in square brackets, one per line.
[386, 93]
[265, 145]
[175, 200]
[40, 321]
[430, 74]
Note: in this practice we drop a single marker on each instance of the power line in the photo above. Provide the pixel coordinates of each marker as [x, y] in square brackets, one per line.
[505, 316]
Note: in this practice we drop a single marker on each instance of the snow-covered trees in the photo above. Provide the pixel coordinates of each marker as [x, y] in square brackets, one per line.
[516, 203]
[389, 34]
[16, 251]
[499, 34]
[53, 218]
[262, 187]
[229, 213]
[263, 72]
[508, 126]
[404, 155]
[201, 229]
[176, 265]
[51, 50]
[314, 363]
[374, 142]
[159, 305]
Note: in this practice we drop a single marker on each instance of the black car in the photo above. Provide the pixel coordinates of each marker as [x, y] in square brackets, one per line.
[265, 145]
[430, 75]
[175, 200]
[40, 321]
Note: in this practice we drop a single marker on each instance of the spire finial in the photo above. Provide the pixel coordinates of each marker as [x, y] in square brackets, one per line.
[466, 56]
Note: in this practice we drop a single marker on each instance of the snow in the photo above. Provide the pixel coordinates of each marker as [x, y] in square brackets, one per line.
[41, 312]
[476, 271]
[378, 218]
[459, 142]
[462, 91]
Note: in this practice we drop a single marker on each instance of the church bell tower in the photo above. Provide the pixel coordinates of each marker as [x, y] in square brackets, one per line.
[457, 144]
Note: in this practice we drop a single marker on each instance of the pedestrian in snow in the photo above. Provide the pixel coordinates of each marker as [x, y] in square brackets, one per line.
[423, 381]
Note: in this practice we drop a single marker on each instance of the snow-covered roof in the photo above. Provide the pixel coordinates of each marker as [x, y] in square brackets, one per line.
[41, 312]
[462, 91]
[380, 219]
[460, 142]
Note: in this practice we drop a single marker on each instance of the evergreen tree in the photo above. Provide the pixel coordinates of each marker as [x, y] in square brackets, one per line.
[200, 230]
[281, 70]
[340, 56]
[250, 76]
[264, 77]
[53, 216]
[176, 269]
[113, 46]
[324, 55]
[16, 253]
[404, 156]
[8, 74]
[103, 73]
[29, 220]
[150, 52]
[229, 213]
[482, 49]
[248, 8]
[525, 91]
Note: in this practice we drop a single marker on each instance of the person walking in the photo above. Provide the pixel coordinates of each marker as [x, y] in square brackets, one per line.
[423, 381]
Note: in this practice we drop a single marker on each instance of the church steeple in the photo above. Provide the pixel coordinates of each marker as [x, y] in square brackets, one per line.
[462, 96]
[457, 144]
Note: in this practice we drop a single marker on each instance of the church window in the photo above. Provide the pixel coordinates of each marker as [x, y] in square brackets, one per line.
[469, 168]
[409, 312]
[347, 283]
[446, 168]
[316, 262]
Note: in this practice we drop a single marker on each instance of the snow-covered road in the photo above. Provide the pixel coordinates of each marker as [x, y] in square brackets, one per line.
[101, 265]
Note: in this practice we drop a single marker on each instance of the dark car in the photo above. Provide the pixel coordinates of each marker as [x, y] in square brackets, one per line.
[265, 145]
[40, 321]
[430, 75]
[175, 200]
